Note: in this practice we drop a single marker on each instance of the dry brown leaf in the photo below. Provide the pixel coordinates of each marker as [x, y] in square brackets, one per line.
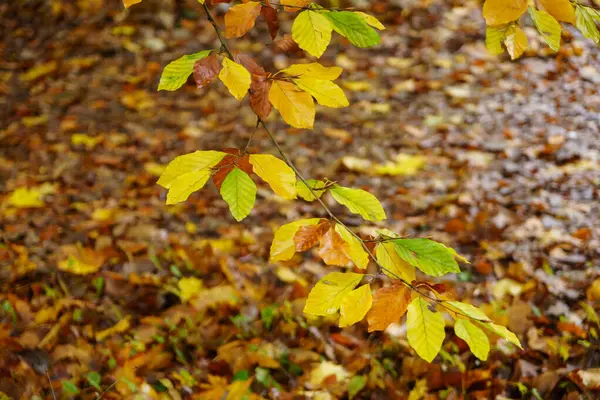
[333, 250]
[308, 236]
[259, 96]
[389, 304]
[206, 70]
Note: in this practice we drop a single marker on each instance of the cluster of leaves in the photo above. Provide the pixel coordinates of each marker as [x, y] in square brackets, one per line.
[291, 92]
[504, 23]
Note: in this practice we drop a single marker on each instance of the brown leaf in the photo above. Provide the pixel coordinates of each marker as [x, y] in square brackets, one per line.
[270, 15]
[228, 163]
[249, 63]
[206, 70]
[240, 18]
[333, 249]
[286, 45]
[259, 96]
[389, 304]
[308, 236]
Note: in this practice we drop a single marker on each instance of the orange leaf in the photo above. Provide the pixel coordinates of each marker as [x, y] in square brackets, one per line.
[333, 250]
[294, 5]
[270, 15]
[206, 70]
[259, 96]
[228, 163]
[389, 304]
[241, 18]
[308, 236]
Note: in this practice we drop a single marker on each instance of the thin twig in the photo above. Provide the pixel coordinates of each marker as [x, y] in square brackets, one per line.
[51, 387]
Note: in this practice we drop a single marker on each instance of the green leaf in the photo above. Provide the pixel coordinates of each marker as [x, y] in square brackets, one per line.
[494, 37]
[354, 28]
[188, 173]
[359, 202]
[239, 191]
[355, 385]
[476, 339]
[327, 295]
[503, 332]
[312, 31]
[318, 187]
[547, 26]
[425, 329]
[371, 20]
[469, 310]
[94, 379]
[70, 388]
[394, 266]
[283, 246]
[431, 257]
[177, 72]
[586, 24]
[357, 253]
[355, 306]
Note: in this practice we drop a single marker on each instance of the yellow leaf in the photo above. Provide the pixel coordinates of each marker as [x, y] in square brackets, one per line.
[236, 78]
[129, 3]
[81, 261]
[39, 70]
[238, 389]
[327, 295]
[355, 306]
[388, 257]
[276, 173]
[119, 327]
[516, 42]
[498, 12]
[425, 329]
[283, 246]
[294, 5]
[240, 19]
[476, 339]
[562, 10]
[312, 70]
[357, 253]
[26, 198]
[189, 287]
[371, 20]
[88, 141]
[312, 31]
[327, 93]
[296, 107]
[326, 369]
[188, 173]
[405, 165]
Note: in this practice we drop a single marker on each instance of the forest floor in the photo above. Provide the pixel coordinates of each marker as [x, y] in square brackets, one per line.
[498, 159]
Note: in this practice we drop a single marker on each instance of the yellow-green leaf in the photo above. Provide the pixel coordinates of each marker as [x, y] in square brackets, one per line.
[469, 310]
[239, 192]
[177, 72]
[236, 78]
[562, 10]
[318, 188]
[494, 37]
[359, 202]
[276, 173]
[476, 339]
[547, 26]
[327, 295]
[188, 173]
[425, 329]
[189, 287]
[355, 306]
[296, 107]
[503, 332]
[327, 93]
[498, 12]
[431, 257]
[312, 70]
[371, 20]
[354, 28]
[357, 253]
[240, 18]
[516, 41]
[586, 24]
[283, 246]
[394, 266]
[312, 31]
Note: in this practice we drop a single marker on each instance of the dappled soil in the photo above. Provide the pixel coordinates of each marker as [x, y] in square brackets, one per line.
[498, 159]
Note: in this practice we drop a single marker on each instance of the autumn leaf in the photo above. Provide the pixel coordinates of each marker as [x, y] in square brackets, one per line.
[312, 70]
[308, 236]
[312, 31]
[276, 173]
[498, 12]
[327, 295]
[32, 197]
[355, 306]
[80, 261]
[188, 173]
[359, 202]
[333, 250]
[476, 339]
[425, 329]
[325, 92]
[177, 72]
[239, 192]
[294, 5]
[259, 96]
[562, 10]
[129, 3]
[206, 70]
[501, 331]
[236, 78]
[283, 246]
[189, 287]
[240, 18]
[515, 41]
[547, 26]
[354, 28]
[494, 37]
[296, 107]
[370, 20]
[389, 305]
[355, 250]
[318, 188]
[431, 257]
[270, 15]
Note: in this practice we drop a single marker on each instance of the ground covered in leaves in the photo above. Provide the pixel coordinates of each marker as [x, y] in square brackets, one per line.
[105, 289]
